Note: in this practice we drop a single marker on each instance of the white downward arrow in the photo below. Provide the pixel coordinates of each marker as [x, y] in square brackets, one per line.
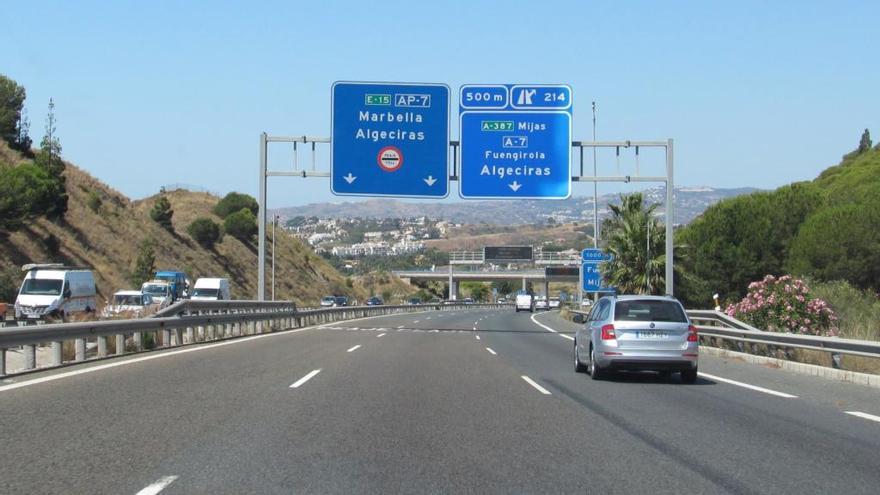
[430, 181]
[515, 186]
[349, 178]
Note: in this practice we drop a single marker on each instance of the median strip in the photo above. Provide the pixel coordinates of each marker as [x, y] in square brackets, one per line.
[305, 379]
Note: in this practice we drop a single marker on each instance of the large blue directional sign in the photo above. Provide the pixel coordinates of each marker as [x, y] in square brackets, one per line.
[591, 277]
[515, 141]
[390, 139]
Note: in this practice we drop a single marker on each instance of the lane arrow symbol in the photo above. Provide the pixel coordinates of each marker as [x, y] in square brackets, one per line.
[349, 178]
[430, 181]
[515, 186]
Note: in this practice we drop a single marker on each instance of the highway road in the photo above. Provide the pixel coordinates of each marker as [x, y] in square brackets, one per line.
[476, 401]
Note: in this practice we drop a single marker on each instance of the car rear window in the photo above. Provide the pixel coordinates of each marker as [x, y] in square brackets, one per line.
[649, 311]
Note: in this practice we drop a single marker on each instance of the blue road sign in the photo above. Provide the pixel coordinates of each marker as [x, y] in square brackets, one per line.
[515, 141]
[390, 139]
[594, 255]
[592, 278]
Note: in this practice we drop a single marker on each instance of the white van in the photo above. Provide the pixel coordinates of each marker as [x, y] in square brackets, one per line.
[55, 291]
[160, 291]
[211, 289]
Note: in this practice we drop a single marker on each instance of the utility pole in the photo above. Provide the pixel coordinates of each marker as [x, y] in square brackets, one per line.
[274, 223]
[595, 194]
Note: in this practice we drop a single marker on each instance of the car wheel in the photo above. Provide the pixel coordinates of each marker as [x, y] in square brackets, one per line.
[596, 372]
[689, 376]
[579, 367]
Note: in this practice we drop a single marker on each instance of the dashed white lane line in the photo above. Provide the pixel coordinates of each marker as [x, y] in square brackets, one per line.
[545, 327]
[305, 379]
[750, 387]
[149, 357]
[415, 321]
[491, 351]
[859, 414]
[401, 326]
[380, 335]
[158, 485]
[478, 337]
[537, 387]
[354, 348]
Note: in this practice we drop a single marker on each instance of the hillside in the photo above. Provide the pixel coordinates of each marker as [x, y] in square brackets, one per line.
[472, 237]
[107, 241]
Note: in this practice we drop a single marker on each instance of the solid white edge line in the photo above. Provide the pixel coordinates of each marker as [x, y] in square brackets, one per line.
[492, 352]
[149, 357]
[304, 379]
[869, 417]
[746, 385]
[380, 335]
[537, 387]
[545, 327]
[353, 348]
[158, 485]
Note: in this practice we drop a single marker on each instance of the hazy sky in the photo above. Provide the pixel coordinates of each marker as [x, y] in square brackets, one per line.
[157, 93]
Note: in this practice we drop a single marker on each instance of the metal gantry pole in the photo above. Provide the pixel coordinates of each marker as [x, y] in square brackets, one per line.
[261, 251]
[670, 214]
[274, 224]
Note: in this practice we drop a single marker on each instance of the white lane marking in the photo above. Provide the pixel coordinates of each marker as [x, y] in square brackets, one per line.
[354, 348]
[869, 417]
[492, 352]
[746, 385]
[157, 486]
[415, 321]
[304, 379]
[150, 357]
[428, 318]
[537, 387]
[380, 335]
[545, 327]
[401, 326]
[478, 337]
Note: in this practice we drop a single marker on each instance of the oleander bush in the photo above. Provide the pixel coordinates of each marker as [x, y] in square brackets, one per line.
[784, 304]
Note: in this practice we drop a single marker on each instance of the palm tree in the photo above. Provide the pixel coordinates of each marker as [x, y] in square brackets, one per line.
[636, 239]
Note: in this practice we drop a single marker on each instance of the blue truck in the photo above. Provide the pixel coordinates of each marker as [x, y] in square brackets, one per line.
[179, 286]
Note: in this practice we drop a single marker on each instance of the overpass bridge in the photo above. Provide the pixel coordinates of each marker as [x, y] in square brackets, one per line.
[454, 277]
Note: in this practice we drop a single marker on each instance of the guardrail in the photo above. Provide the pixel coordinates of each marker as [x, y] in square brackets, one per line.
[185, 323]
[716, 325]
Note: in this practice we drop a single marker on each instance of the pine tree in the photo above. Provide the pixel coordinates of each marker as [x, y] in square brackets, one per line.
[49, 158]
[145, 265]
[865, 142]
[162, 213]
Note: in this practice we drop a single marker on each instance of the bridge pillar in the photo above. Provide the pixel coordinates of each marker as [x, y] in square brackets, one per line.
[524, 284]
[453, 290]
[547, 291]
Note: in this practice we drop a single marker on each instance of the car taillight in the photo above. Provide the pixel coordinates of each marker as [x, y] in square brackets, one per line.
[608, 332]
[692, 334]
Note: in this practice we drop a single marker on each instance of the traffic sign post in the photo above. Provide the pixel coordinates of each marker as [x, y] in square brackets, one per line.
[390, 140]
[515, 141]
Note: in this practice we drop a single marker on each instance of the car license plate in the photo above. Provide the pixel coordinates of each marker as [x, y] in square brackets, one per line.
[651, 334]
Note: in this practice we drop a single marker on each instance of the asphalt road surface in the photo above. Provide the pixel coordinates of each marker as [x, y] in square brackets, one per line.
[477, 401]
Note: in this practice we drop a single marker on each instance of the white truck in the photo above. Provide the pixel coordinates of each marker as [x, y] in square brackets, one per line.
[54, 291]
[525, 302]
[211, 289]
[161, 291]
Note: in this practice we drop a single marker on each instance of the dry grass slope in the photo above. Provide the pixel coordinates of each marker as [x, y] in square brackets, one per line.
[106, 240]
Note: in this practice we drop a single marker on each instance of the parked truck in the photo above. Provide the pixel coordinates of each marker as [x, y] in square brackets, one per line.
[211, 289]
[178, 281]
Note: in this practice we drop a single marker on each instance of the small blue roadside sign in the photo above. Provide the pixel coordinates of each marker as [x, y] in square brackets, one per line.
[515, 141]
[592, 278]
[594, 255]
[389, 139]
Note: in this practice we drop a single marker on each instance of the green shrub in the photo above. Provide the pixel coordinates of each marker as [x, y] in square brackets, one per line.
[858, 311]
[234, 202]
[10, 278]
[94, 201]
[242, 225]
[162, 213]
[204, 231]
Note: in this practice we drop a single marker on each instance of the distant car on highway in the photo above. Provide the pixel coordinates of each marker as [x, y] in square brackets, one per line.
[211, 289]
[374, 301]
[468, 300]
[414, 301]
[129, 303]
[328, 301]
[341, 301]
[160, 291]
[637, 333]
[525, 302]
[554, 302]
[541, 303]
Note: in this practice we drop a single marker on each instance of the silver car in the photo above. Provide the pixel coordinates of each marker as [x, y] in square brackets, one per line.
[637, 333]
